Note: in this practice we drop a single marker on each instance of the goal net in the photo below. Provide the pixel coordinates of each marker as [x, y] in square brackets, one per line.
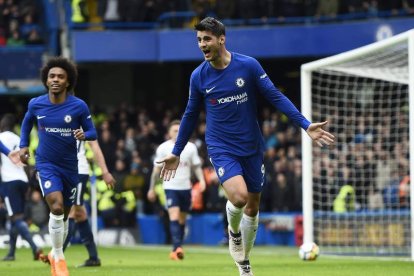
[356, 193]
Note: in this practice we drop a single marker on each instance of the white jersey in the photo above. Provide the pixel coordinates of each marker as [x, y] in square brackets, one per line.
[189, 157]
[83, 165]
[10, 171]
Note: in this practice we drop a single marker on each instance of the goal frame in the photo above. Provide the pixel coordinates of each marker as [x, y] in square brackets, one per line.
[306, 106]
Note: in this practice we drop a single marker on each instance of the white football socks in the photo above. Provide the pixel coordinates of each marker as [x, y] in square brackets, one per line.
[56, 231]
[65, 229]
[248, 228]
[234, 216]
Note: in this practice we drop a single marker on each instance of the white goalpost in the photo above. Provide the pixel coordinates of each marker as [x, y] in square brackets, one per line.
[356, 194]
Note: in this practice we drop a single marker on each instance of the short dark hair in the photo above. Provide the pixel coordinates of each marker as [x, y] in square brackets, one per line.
[7, 122]
[211, 24]
[65, 64]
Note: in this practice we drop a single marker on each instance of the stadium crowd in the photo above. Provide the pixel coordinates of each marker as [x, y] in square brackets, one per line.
[184, 13]
[19, 23]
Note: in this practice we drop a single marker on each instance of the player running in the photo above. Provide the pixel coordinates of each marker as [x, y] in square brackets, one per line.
[226, 84]
[61, 120]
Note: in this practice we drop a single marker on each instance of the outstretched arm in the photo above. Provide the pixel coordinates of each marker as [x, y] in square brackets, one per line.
[100, 159]
[189, 119]
[319, 135]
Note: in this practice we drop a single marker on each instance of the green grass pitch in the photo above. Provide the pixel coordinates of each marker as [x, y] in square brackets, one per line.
[199, 260]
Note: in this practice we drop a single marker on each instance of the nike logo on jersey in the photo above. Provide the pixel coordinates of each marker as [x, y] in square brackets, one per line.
[40, 117]
[88, 117]
[263, 76]
[209, 90]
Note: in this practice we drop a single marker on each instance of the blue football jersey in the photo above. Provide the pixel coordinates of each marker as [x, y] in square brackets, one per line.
[56, 123]
[229, 97]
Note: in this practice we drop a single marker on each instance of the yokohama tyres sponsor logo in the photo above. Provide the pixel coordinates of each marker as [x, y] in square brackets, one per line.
[58, 129]
[240, 98]
[62, 131]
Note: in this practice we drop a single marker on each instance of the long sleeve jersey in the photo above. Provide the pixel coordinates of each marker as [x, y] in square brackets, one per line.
[229, 98]
[56, 123]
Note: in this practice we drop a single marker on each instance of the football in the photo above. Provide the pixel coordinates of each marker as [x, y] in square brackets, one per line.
[309, 251]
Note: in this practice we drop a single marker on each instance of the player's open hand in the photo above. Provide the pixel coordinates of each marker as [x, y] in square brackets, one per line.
[319, 135]
[79, 134]
[109, 180]
[170, 165]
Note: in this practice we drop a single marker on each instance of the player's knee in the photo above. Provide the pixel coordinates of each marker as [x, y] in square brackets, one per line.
[251, 211]
[57, 209]
[239, 200]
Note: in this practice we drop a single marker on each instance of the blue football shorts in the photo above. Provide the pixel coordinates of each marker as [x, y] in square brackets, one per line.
[52, 179]
[80, 189]
[250, 167]
[179, 198]
[14, 196]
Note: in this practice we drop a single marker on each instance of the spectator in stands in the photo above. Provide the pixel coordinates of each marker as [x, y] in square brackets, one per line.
[294, 180]
[408, 6]
[288, 8]
[145, 140]
[135, 182]
[355, 6]
[33, 38]
[15, 40]
[130, 142]
[3, 40]
[108, 145]
[119, 174]
[393, 6]
[282, 194]
[3, 14]
[310, 7]
[327, 8]
[108, 10]
[27, 25]
[225, 9]
[201, 8]
[247, 9]
[79, 11]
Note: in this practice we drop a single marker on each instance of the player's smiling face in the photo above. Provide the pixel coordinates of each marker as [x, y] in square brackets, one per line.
[57, 80]
[210, 45]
